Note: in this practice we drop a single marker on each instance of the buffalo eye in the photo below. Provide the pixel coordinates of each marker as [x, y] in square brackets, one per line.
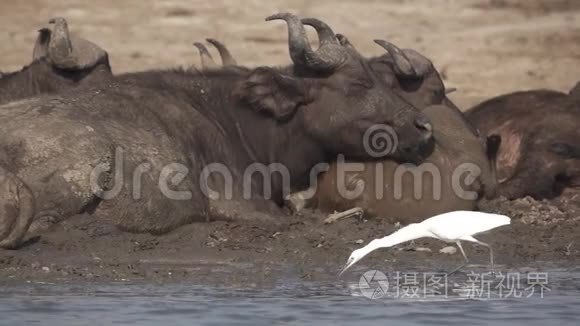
[565, 150]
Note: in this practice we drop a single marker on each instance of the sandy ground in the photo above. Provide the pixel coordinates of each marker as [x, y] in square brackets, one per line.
[484, 48]
[542, 235]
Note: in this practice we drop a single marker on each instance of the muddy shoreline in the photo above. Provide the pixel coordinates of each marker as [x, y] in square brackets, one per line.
[301, 247]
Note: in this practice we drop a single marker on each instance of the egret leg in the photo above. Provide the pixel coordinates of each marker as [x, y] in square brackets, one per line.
[464, 257]
[490, 255]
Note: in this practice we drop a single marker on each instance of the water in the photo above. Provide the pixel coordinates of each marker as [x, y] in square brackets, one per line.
[286, 304]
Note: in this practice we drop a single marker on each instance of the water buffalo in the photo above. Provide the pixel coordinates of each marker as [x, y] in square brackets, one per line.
[176, 149]
[540, 155]
[459, 171]
[60, 61]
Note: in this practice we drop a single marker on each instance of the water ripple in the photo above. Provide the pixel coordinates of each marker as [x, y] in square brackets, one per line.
[287, 304]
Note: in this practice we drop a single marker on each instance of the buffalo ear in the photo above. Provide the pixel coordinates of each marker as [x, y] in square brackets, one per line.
[273, 92]
[492, 146]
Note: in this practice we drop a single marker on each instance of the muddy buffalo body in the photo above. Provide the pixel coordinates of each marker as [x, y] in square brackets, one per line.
[540, 154]
[60, 61]
[138, 154]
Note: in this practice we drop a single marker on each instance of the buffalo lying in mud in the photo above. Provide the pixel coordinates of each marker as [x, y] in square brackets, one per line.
[540, 153]
[60, 61]
[176, 149]
[459, 171]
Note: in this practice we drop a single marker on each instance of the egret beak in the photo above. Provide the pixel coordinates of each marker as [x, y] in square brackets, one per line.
[346, 266]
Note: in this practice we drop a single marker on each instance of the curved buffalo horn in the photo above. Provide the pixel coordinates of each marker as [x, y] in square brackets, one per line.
[41, 44]
[68, 52]
[328, 57]
[408, 63]
[325, 33]
[207, 60]
[60, 45]
[422, 65]
[227, 58]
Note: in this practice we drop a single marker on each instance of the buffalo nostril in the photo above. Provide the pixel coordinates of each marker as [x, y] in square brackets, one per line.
[424, 126]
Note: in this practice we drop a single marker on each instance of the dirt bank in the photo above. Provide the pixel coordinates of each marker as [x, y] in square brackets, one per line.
[301, 247]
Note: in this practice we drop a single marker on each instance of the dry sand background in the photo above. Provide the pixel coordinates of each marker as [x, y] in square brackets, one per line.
[484, 48]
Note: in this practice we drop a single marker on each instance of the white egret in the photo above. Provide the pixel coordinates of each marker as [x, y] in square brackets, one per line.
[451, 227]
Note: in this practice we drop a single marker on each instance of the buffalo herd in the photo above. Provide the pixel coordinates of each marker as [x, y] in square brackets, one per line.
[153, 150]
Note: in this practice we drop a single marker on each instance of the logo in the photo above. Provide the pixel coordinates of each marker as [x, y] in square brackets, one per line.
[373, 284]
[380, 141]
